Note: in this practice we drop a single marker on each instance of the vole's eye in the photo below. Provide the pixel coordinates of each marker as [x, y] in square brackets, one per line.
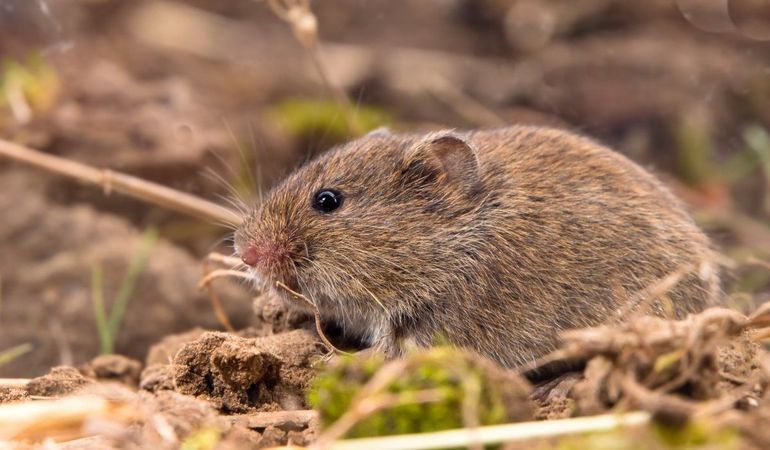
[327, 200]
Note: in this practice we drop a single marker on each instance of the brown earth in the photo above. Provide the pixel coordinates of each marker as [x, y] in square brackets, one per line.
[677, 92]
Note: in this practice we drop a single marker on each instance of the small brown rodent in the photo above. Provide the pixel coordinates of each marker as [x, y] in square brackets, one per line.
[492, 240]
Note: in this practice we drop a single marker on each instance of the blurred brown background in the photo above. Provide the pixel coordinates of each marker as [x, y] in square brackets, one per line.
[198, 95]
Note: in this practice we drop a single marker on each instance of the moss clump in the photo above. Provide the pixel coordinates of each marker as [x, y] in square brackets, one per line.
[34, 78]
[462, 383]
[203, 439]
[308, 118]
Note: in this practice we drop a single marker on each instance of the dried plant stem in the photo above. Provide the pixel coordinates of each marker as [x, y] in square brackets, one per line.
[463, 104]
[224, 259]
[371, 405]
[339, 95]
[14, 382]
[126, 184]
[358, 408]
[496, 434]
[305, 27]
[62, 418]
[210, 275]
[644, 298]
[316, 316]
[219, 273]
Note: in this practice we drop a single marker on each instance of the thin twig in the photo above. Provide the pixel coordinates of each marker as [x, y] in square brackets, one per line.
[646, 296]
[463, 104]
[216, 303]
[224, 259]
[355, 412]
[496, 434]
[210, 275]
[55, 418]
[135, 187]
[219, 273]
[316, 316]
[14, 382]
[305, 27]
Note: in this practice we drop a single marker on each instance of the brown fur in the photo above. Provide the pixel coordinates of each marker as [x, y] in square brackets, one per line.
[493, 240]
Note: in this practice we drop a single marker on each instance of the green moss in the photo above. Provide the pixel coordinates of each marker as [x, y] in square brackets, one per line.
[37, 80]
[694, 151]
[499, 396]
[696, 435]
[203, 439]
[326, 118]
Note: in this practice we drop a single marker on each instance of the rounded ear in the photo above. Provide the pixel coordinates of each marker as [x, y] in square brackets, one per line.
[448, 157]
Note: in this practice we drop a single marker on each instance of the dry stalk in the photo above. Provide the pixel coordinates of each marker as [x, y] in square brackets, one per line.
[14, 382]
[305, 27]
[358, 408]
[56, 419]
[205, 282]
[642, 299]
[463, 104]
[316, 317]
[515, 432]
[209, 275]
[371, 399]
[135, 187]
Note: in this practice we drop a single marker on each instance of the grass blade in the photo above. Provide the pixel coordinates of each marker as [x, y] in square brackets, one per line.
[14, 352]
[100, 315]
[138, 263]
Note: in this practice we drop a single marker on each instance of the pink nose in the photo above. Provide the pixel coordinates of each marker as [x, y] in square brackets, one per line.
[264, 254]
[250, 257]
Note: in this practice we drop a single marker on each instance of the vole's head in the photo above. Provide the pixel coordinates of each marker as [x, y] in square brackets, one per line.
[367, 222]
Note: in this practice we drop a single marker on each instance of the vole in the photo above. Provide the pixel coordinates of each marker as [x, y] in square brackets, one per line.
[492, 240]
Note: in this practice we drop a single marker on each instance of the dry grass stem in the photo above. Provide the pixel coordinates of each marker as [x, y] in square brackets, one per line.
[220, 273]
[515, 432]
[464, 105]
[14, 382]
[305, 27]
[225, 259]
[358, 408]
[210, 275]
[60, 419]
[644, 298]
[135, 187]
[316, 317]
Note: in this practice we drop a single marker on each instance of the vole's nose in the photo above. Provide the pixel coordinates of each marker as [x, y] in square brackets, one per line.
[250, 257]
[265, 254]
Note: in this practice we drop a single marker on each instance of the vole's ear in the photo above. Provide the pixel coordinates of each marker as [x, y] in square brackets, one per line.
[445, 157]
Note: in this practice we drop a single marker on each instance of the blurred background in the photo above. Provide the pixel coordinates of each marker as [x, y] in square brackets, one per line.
[214, 97]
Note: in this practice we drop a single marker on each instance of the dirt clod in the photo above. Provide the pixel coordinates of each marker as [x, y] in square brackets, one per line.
[157, 377]
[115, 368]
[164, 351]
[59, 381]
[238, 374]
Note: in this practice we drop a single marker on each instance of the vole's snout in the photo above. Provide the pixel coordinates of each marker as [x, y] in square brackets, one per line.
[264, 254]
[250, 257]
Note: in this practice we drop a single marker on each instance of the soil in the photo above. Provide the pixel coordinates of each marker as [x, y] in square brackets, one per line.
[673, 85]
[238, 375]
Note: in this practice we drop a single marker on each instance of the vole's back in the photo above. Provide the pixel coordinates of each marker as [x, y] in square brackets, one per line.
[572, 233]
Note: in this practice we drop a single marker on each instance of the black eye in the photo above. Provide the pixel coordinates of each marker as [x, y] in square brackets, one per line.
[327, 200]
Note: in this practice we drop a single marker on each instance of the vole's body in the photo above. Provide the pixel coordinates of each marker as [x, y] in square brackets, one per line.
[492, 240]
